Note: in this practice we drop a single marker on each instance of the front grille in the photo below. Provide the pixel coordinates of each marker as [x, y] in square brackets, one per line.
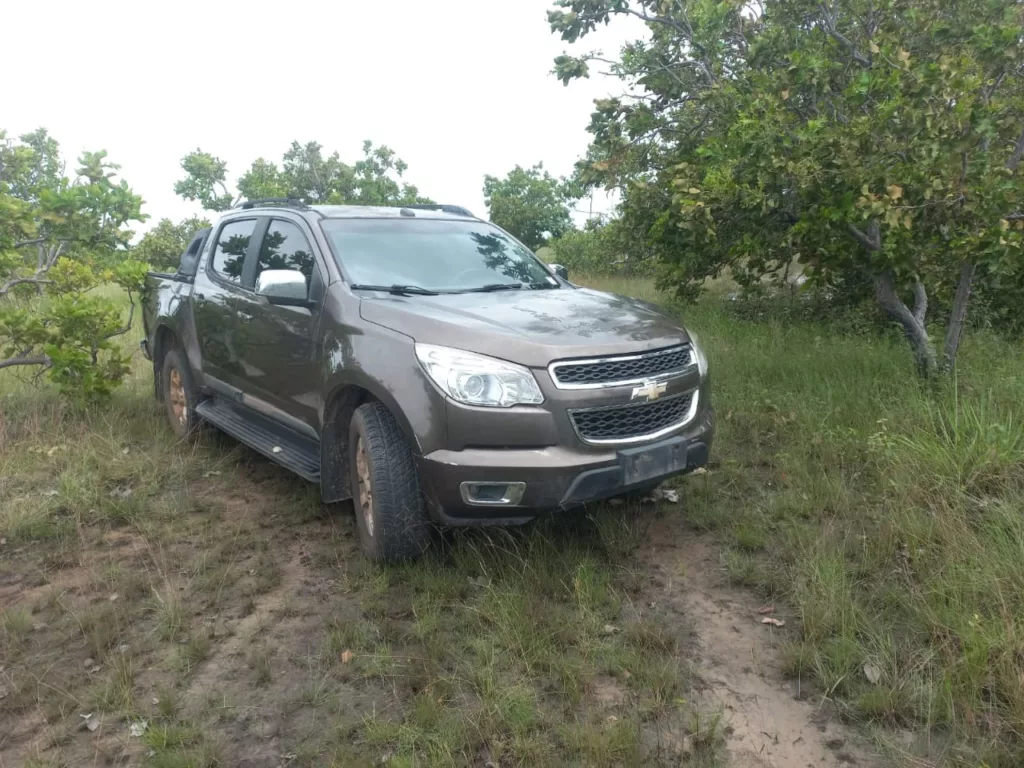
[626, 368]
[618, 423]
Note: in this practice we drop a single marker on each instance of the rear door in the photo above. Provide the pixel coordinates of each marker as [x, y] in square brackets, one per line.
[279, 356]
[223, 304]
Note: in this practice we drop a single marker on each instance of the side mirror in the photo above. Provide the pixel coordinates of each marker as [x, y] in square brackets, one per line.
[284, 287]
[559, 270]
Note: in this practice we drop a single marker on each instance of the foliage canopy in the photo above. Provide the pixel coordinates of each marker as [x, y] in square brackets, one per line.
[62, 237]
[876, 138]
[531, 204]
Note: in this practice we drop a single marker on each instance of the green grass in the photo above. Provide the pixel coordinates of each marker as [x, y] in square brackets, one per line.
[888, 514]
[884, 518]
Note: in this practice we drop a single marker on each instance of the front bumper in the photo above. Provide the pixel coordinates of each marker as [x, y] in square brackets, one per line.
[556, 477]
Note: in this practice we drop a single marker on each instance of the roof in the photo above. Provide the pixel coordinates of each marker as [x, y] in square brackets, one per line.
[379, 212]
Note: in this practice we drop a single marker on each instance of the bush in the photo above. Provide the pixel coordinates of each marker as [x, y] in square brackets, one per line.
[599, 250]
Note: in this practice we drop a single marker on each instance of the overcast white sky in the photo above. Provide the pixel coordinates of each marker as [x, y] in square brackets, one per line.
[458, 88]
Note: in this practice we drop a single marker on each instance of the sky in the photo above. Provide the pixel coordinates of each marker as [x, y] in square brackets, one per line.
[458, 88]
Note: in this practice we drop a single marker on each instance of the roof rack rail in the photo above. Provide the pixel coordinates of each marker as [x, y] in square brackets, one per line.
[281, 202]
[457, 210]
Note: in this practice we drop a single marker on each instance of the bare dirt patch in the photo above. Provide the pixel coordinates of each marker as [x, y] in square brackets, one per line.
[771, 721]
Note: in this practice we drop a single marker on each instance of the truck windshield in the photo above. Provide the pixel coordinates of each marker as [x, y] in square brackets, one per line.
[434, 254]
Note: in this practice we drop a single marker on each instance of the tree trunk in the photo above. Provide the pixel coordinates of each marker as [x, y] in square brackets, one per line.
[912, 321]
[958, 314]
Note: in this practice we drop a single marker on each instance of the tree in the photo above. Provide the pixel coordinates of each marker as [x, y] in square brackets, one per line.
[531, 204]
[163, 245]
[305, 174]
[55, 232]
[879, 138]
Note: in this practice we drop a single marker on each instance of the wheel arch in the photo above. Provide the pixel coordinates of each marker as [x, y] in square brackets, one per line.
[339, 407]
[163, 340]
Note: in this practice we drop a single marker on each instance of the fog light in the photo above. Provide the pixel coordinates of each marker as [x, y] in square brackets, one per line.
[487, 494]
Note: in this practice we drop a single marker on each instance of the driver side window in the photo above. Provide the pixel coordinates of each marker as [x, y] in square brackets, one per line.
[285, 247]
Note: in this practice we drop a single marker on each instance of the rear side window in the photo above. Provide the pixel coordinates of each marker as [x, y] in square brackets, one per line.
[285, 247]
[229, 250]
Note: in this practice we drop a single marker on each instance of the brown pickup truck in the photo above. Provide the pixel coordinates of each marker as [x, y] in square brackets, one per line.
[423, 363]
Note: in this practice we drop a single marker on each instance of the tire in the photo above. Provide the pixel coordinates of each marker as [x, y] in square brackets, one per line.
[392, 521]
[180, 394]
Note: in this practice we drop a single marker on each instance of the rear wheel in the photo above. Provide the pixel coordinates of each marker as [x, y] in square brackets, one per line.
[390, 513]
[180, 394]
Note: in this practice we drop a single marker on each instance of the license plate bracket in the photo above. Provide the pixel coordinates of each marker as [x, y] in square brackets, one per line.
[652, 461]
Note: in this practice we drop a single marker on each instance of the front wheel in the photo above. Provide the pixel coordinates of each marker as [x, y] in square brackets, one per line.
[390, 513]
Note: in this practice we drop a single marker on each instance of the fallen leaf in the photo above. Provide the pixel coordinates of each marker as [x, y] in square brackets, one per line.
[114, 597]
[610, 629]
[785, 94]
[693, 191]
[90, 721]
[51, 493]
[874, 47]
[895, 191]
[124, 451]
[903, 56]
[211, 473]
[138, 728]
[88, 663]
[700, 471]
[95, 669]
[872, 673]
[156, 701]
[612, 719]
[773, 622]
[347, 656]
[765, 609]
[52, 450]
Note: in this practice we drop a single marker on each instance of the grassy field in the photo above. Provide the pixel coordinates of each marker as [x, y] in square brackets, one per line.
[890, 515]
[204, 596]
[204, 592]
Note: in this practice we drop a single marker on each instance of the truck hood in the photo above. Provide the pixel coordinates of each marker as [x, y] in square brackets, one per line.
[528, 327]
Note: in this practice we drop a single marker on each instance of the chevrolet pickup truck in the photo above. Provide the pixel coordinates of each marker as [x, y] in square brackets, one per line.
[423, 363]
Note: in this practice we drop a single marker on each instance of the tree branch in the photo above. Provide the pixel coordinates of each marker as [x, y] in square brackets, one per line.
[916, 333]
[958, 314]
[34, 280]
[920, 302]
[127, 326]
[1018, 152]
[25, 243]
[871, 239]
[839, 37]
[12, 361]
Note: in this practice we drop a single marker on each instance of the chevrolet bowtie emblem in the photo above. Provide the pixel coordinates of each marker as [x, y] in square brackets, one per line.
[651, 390]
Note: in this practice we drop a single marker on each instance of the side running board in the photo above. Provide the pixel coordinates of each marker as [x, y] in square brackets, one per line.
[278, 443]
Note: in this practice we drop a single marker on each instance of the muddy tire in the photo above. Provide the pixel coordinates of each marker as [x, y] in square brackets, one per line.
[180, 394]
[390, 514]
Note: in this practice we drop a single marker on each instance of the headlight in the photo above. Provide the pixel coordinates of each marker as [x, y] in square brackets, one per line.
[698, 355]
[476, 379]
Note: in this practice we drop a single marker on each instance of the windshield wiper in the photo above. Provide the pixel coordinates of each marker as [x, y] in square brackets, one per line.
[398, 290]
[495, 287]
